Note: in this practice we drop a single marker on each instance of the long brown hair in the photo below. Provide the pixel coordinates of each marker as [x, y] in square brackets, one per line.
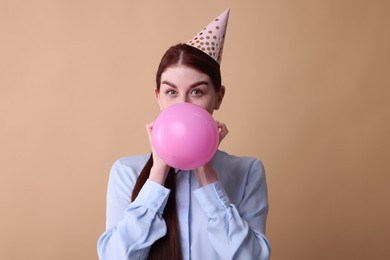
[168, 247]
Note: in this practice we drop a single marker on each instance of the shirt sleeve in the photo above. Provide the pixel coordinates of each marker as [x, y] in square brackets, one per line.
[131, 228]
[237, 232]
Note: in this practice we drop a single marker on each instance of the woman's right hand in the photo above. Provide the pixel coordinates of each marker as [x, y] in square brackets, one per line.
[160, 169]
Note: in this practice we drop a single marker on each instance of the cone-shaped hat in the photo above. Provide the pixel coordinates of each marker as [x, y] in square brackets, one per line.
[210, 40]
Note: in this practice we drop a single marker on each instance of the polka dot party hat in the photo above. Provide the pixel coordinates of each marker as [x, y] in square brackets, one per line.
[210, 40]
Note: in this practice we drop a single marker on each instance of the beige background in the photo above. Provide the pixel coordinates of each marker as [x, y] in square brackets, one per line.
[307, 92]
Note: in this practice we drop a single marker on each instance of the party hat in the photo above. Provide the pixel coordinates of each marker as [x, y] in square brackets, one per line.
[210, 40]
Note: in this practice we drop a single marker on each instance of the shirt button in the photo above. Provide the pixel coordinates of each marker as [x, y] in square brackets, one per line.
[155, 204]
[162, 193]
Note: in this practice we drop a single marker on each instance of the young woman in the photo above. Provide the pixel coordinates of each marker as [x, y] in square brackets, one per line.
[217, 211]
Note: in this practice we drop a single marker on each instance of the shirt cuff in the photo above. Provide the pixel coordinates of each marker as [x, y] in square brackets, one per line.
[153, 196]
[213, 199]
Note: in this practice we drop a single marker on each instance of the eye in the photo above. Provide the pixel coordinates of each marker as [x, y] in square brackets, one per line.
[170, 92]
[197, 92]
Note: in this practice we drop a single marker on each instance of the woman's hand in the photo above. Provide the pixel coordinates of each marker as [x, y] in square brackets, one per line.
[160, 169]
[206, 174]
[222, 130]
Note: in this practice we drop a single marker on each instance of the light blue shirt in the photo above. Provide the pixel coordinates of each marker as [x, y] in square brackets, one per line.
[222, 220]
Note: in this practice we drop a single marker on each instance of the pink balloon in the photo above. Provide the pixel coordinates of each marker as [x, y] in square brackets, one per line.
[185, 136]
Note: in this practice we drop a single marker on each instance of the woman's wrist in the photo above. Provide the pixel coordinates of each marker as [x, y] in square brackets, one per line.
[206, 175]
[159, 173]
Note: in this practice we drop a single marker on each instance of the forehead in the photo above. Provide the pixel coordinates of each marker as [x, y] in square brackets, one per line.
[183, 73]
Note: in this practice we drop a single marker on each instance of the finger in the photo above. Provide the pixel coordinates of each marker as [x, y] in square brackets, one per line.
[149, 128]
[222, 131]
[222, 127]
[156, 158]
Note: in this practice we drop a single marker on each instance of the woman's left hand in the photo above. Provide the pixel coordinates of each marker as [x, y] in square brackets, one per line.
[222, 130]
[206, 174]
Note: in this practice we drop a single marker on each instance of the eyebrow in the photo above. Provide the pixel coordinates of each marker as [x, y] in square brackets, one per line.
[194, 85]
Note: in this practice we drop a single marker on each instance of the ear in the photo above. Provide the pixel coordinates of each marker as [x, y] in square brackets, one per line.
[157, 95]
[220, 96]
